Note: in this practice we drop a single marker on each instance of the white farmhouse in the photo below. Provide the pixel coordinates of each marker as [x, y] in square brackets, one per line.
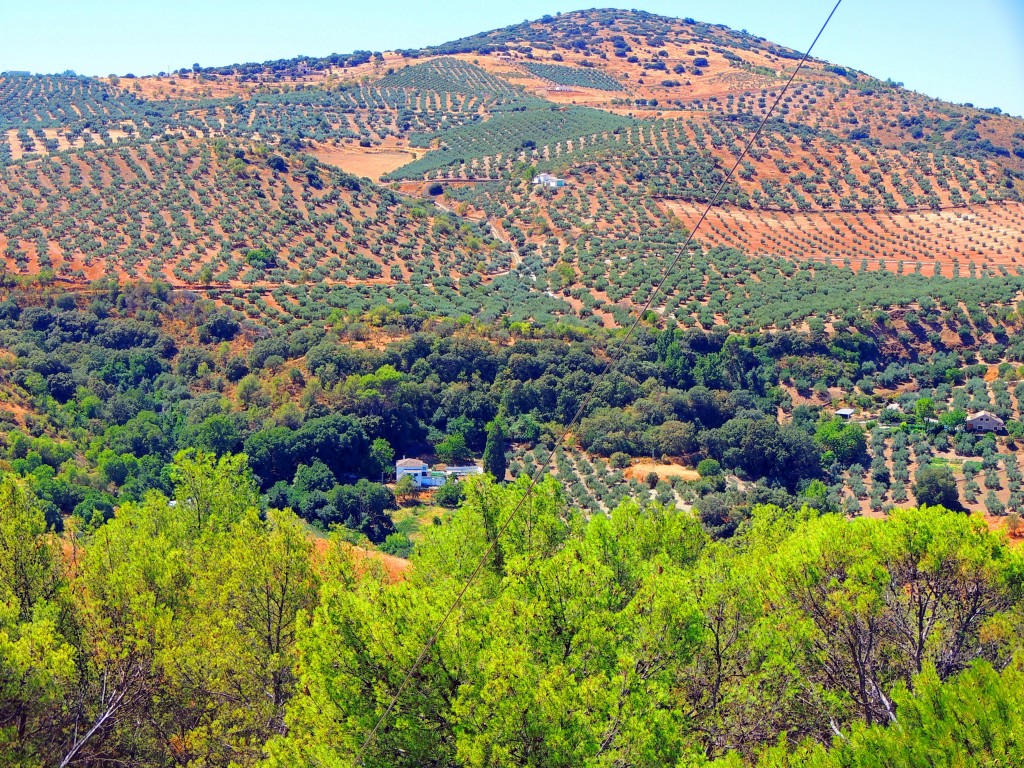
[547, 180]
[983, 421]
[425, 477]
[414, 467]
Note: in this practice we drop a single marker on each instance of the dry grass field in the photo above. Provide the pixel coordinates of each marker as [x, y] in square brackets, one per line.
[368, 162]
[640, 471]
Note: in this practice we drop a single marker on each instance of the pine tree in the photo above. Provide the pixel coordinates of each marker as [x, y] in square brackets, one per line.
[495, 463]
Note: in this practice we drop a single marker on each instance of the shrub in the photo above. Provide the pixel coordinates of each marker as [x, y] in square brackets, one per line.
[619, 460]
[397, 544]
[993, 505]
[709, 468]
[449, 495]
[935, 486]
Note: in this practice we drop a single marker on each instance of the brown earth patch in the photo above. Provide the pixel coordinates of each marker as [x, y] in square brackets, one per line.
[184, 87]
[1000, 523]
[588, 96]
[396, 567]
[641, 470]
[370, 162]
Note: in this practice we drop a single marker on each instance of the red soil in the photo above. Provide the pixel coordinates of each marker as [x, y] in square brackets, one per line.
[395, 567]
[987, 236]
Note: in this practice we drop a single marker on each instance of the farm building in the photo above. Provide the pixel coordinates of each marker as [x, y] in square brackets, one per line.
[845, 413]
[547, 180]
[425, 477]
[983, 421]
[418, 469]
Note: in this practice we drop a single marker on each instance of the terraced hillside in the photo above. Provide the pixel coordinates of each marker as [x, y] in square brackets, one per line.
[252, 288]
[194, 213]
[169, 177]
[975, 241]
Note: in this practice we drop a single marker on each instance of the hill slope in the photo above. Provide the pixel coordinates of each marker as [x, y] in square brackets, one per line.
[252, 288]
[167, 177]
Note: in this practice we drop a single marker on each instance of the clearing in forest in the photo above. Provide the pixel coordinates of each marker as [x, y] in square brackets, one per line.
[641, 470]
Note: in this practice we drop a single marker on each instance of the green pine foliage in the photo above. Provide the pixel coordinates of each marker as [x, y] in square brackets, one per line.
[630, 637]
[971, 719]
[495, 461]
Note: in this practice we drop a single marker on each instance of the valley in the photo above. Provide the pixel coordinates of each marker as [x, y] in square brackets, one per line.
[736, 430]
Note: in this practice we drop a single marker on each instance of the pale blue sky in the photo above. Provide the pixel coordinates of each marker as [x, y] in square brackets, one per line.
[957, 51]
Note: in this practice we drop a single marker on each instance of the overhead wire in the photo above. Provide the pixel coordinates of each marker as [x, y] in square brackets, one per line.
[613, 358]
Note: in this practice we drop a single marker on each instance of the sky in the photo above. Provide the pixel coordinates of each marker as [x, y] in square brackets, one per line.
[961, 52]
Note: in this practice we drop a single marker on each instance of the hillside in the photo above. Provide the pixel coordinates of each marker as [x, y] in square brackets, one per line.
[782, 528]
[643, 114]
[192, 213]
[308, 193]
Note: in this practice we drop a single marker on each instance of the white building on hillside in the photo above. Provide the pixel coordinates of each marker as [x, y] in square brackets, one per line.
[547, 180]
[425, 477]
[418, 469]
[983, 421]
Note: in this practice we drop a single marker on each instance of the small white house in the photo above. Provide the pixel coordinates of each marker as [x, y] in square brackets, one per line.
[547, 180]
[845, 413]
[414, 467]
[983, 421]
[425, 477]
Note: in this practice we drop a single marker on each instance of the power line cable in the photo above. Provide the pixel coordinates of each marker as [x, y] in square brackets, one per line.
[613, 358]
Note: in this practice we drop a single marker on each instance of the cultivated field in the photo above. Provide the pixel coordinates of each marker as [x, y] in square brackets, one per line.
[193, 214]
[976, 240]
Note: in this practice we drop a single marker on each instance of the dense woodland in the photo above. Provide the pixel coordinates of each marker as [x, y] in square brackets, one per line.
[216, 341]
[115, 388]
[205, 632]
